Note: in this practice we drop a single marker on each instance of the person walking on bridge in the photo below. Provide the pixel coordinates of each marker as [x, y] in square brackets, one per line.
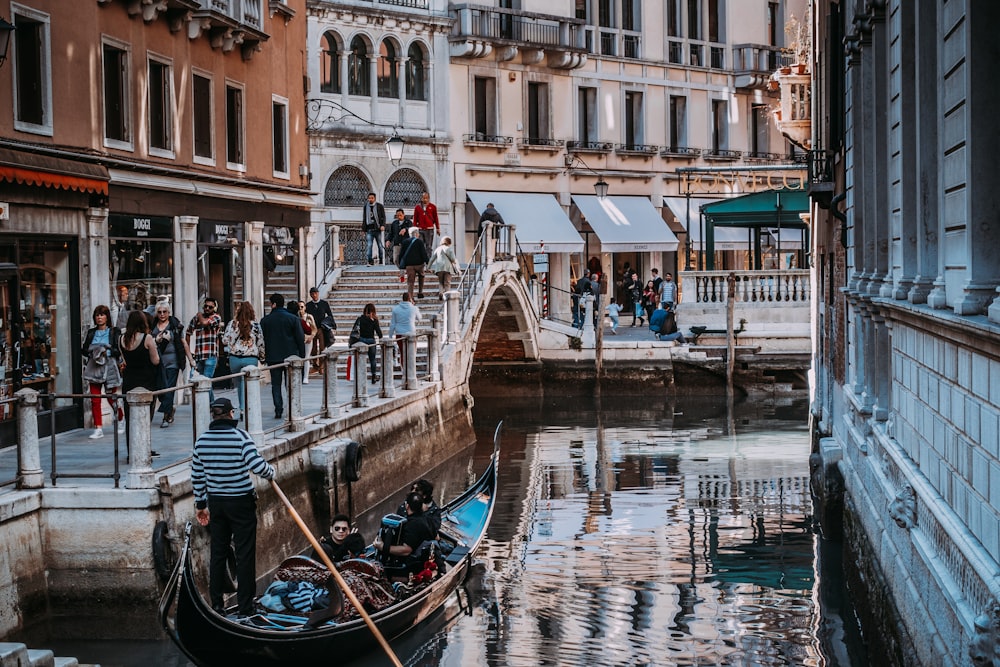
[225, 500]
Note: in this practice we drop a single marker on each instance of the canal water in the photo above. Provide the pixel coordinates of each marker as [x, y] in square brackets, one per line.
[630, 531]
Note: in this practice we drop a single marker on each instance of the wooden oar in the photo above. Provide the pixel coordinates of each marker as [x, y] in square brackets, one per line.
[336, 575]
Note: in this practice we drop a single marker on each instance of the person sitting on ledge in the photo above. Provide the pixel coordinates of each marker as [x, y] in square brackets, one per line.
[663, 324]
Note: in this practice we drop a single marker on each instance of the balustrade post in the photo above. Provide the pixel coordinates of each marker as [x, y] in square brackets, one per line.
[507, 236]
[330, 383]
[334, 247]
[140, 472]
[589, 336]
[360, 374]
[489, 243]
[451, 306]
[410, 368]
[30, 472]
[296, 422]
[200, 405]
[433, 356]
[387, 350]
[253, 408]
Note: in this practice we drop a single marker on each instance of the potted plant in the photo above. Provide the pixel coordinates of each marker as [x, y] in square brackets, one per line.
[800, 41]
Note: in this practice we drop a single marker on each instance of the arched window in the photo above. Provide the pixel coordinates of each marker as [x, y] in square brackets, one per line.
[388, 70]
[403, 190]
[329, 64]
[416, 77]
[358, 79]
[348, 186]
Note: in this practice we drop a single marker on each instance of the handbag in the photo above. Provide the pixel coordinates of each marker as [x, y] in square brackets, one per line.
[355, 336]
[328, 323]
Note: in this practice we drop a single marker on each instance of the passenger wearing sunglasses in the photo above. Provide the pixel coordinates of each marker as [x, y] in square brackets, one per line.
[341, 543]
[205, 326]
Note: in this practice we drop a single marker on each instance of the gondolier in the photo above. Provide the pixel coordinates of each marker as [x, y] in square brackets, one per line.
[226, 502]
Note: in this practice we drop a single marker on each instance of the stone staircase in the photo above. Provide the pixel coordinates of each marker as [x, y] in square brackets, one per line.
[380, 285]
[18, 655]
[283, 281]
[360, 285]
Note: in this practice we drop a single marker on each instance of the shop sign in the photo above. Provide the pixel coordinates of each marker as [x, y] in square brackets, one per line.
[140, 226]
[213, 232]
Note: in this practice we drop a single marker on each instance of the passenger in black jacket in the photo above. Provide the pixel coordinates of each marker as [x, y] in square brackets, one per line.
[320, 310]
[413, 256]
[341, 543]
[283, 338]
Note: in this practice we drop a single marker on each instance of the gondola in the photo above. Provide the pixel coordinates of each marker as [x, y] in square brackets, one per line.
[209, 638]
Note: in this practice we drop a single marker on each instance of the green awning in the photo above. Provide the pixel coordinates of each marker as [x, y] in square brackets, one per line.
[771, 208]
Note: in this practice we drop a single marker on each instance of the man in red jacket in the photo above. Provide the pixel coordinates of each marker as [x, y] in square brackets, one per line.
[425, 218]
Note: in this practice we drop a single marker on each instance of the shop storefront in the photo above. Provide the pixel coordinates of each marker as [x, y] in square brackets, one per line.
[220, 264]
[40, 325]
[140, 262]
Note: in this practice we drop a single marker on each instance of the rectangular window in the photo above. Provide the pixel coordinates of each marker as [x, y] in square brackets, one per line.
[116, 96]
[714, 22]
[234, 127]
[279, 137]
[720, 127]
[581, 9]
[606, 13]
[674, 18]
[678, 122]
[772, 24]
[538, 113]
[161, 106]
[32, 77]
[485, 105]
[201, 96]
[759, 143]
[633, 119]
[587, 115]
[694, 19]
[630, 15]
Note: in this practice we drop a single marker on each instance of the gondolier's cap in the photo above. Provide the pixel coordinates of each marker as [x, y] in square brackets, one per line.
[222, 405]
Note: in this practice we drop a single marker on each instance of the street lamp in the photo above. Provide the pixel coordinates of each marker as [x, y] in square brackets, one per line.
[601, 186]
[320, 111]
[5, 31]
[394, 147]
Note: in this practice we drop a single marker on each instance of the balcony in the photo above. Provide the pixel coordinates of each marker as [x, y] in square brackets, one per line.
[483, 140]
[821, 183]
[754, 63]
[794, 117]
[636, 150]
[539, 144]
[589, 147]
[527, 37]
[230, 23]
[721, 154]
[682, 152]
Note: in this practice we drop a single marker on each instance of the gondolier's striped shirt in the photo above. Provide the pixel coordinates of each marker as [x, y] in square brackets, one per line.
[224, 457]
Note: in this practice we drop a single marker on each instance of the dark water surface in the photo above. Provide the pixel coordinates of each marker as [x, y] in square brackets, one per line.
[631, 532]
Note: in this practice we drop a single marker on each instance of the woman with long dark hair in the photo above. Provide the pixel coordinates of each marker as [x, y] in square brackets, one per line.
[369, 332]
[141, 360]
[245, 340]
[102, 355]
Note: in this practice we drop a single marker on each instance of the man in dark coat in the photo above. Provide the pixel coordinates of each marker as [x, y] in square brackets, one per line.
[283, 338]
[320, 310]
[373, 222]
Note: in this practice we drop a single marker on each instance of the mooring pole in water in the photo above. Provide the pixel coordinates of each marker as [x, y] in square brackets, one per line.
[348, 593]
[730, 335]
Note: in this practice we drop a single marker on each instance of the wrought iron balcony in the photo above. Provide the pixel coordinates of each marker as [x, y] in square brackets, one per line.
[589, 147]
[542, 144]
[497, 140]
[721, 154]
[505, 34]
[821, 178]
[636, 149]
[680, 151]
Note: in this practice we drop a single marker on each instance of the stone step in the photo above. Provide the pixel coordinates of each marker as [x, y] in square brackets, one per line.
[14, 654]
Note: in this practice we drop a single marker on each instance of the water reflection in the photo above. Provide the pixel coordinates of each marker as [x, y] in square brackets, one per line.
[649, 535]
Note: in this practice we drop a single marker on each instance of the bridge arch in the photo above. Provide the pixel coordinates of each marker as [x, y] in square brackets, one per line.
[504, 326]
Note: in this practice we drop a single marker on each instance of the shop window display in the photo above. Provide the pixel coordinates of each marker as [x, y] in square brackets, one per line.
[141, 275]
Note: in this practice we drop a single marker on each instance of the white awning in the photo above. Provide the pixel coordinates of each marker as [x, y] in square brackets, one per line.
[542, 225]
[726, 238]
[626, 224]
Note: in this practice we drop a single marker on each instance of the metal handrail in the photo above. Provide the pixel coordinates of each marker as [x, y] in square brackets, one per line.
[472, 276]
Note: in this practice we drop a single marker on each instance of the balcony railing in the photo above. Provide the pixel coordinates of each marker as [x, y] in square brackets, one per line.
[680, 151]
[589, 147]
[637, 149]
[529, 29]
[482, 138]
[721, 154]
[791, 287]
[538, 142]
